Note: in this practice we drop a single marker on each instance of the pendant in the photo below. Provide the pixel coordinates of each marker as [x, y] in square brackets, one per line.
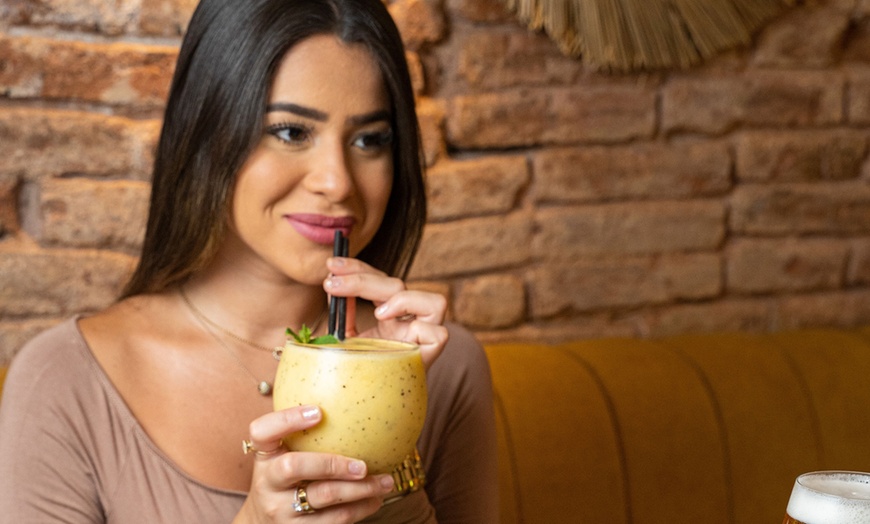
[276, 353]
[264, 388]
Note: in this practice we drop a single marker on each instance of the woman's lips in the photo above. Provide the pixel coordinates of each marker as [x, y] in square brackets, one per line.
[320, 228]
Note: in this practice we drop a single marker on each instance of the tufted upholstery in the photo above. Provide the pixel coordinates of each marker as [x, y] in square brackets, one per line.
[708, 428]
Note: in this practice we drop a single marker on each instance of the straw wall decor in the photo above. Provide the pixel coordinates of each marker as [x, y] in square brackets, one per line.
[636, 35]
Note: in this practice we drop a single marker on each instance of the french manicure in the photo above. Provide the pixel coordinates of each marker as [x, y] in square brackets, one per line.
[386, 482]
[311, 413]
[356, 467]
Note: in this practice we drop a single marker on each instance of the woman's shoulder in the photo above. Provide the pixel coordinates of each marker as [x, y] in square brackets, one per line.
[53, 371]
[48, 356]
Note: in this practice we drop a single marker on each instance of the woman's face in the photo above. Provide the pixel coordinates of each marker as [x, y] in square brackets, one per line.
[324, 162]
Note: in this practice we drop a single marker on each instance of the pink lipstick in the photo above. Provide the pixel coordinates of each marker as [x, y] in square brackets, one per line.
[320, 229]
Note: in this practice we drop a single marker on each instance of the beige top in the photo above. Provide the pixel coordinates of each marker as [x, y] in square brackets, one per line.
[72, 451]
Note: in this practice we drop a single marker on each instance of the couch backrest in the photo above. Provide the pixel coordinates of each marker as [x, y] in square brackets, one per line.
[710, 428]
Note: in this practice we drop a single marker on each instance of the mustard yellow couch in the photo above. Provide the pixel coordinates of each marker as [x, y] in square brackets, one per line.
[691, 429]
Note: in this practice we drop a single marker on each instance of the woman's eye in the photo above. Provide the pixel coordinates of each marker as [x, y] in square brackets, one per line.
[293, 134]
[375, 141]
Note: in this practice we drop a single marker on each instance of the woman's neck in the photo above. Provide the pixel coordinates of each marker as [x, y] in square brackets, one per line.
[254, 309]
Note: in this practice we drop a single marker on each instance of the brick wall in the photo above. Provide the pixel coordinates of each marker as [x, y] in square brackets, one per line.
[565, 202]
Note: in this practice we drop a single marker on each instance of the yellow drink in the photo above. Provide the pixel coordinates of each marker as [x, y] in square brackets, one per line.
[372, 394]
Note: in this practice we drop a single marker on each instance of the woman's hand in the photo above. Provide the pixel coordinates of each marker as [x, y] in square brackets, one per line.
[402, 314]
[337, 487]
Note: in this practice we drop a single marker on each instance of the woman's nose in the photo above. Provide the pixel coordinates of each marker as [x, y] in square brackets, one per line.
[331, 173]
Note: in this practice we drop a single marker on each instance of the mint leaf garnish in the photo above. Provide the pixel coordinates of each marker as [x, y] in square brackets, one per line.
[304, 336]
[325, 339]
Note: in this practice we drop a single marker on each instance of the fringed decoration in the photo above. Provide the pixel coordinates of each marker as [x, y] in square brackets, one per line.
[637, 35]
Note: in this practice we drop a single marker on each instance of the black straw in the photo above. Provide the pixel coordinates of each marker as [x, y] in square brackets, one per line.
[336, 252]
[338, 305]
[342, 301]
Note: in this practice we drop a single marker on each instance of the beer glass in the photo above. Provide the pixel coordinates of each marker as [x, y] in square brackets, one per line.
[830, 497]
[372, 394]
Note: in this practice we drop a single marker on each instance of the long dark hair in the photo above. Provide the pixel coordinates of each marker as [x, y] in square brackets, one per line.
[214, 117]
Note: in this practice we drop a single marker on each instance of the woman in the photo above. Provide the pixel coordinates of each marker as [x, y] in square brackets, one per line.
[286, 121]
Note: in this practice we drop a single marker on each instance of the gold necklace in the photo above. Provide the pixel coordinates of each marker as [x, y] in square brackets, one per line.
[264, 387]
[204, 319]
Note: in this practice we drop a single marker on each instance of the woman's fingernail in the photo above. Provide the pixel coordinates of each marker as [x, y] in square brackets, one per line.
[357, 467]
[386, 482]
[333, 282]
[337, 261]
[381, 309]
[311, 413]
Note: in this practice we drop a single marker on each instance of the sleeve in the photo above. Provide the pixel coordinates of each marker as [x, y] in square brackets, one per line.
[44, 470]
[461, 478]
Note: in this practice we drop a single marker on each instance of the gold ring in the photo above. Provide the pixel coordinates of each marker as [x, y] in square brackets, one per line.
[300, 501]
[248, 447]
[407, 317]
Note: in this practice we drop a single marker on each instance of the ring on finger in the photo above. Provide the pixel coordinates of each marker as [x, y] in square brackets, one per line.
[300, 500]
[248, 447]
[407, 317]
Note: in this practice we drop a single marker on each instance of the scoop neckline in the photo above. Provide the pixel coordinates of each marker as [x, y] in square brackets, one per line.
[121, 405]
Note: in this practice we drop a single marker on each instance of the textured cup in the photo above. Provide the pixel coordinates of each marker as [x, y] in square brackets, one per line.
[372, 394]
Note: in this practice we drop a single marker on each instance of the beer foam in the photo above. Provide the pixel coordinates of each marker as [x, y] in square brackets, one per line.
[832, 498]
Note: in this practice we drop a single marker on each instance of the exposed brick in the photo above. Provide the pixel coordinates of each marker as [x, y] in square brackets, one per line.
[59, 282]
[576, 327]
[803, 38]
[858, 108]
[859, 262]
[857, 45]
[830, 309]
[419, 21]
[632, 228]
[165, 17]
[9, 187]
[588, 285]
[777, 265]
[430, 114]
[716, 105]
[501, 57]
[38, 143]
[753, 315]
[800, 156]
[118, 73]
[474, 244]
[85, 213]
[476, 187]
[801, 208]
[13, 12]
[112, 18]
[14, 334]
[638, 171]
[480, 10]
[491, 301]
[551, 116]
[416, 71]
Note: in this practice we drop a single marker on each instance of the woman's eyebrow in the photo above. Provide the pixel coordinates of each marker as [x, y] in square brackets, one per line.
[320, 116]
[296, 109]
[368, 118]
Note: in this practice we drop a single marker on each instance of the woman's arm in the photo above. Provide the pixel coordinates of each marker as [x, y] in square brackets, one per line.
[45, 474]
[462, 481]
